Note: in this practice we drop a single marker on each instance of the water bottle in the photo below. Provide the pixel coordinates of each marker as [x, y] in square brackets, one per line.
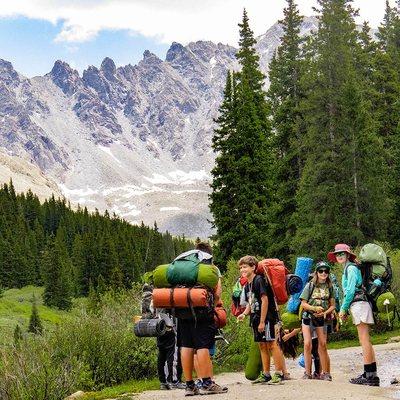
[374, 289]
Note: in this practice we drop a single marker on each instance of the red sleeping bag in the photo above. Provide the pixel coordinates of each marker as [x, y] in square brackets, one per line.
[181, 297]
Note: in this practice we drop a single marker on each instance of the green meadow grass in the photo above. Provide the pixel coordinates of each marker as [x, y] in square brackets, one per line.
[16, 308]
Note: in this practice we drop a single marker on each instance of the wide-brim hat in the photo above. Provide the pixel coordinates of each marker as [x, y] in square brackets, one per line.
[340, 248]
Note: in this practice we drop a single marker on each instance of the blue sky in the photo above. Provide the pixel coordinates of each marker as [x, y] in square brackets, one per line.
[29, 44]
[35, 33]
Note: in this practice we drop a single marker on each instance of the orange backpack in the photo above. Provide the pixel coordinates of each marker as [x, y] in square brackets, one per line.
[275, 272]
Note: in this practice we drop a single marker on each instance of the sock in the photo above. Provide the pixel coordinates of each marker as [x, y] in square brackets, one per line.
[207, 381]
[190, 384]
[370, 370]
[267, 374]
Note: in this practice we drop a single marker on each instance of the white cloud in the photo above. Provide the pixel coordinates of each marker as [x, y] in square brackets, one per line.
[166, 20]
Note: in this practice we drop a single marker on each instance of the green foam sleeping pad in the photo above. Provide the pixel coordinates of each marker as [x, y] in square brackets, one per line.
[290, 321]
[253, 364]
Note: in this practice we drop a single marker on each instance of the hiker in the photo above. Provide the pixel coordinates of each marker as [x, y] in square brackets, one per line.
[168, 361]
[356, 303]
[197, 336]
[318, 303]
[169, 366]
[261, 307]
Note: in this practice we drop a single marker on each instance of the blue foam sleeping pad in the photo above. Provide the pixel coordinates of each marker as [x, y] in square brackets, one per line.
[303, 269]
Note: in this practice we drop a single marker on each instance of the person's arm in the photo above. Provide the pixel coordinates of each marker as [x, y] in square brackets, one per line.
[350, 288]
[292, 333]
[244, 313]
[264, 310]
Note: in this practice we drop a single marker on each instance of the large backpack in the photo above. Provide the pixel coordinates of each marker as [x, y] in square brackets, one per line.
[275, 272]
[376, 271]
[185, 287]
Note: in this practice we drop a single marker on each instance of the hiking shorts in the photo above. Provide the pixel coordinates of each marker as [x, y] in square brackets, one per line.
[267, 335]
[314, 323]
[361, 311]
[198, 334]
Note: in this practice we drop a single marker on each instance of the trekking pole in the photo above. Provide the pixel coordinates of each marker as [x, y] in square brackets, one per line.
[386, 304]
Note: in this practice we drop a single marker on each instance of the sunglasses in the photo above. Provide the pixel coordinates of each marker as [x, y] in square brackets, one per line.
[323, 271]
[341, 254]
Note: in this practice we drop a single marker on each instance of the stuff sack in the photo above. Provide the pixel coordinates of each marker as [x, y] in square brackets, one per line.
[275, 272]
[237, 307]
[181, 297]
[220, 315]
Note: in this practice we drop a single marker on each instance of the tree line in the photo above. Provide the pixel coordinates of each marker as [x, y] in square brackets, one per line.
[70, 251]
[315, 159]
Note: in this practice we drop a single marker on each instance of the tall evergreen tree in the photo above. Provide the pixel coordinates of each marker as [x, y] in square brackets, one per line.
[284, 95]
[241, 187]
[342, 193]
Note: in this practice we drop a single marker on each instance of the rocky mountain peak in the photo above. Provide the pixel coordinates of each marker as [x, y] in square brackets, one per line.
[7, 73]
[149, 57]
[108, 67]
[174, 52]
[65, 77]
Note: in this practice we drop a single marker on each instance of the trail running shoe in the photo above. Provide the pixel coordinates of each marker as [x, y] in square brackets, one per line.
[164, 386]
[362, 380]
[214, 388]
[177, 385]
[191, 390]
[306, 376]
[325, 376]
[316, 375]
[276, 379]
[262, 379]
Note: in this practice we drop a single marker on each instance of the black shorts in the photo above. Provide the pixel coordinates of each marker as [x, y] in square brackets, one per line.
[268, 334]
[316, 322]
[198, 334]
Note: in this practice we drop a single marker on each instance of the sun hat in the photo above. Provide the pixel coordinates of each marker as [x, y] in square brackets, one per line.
[321, 265]
[341, 248]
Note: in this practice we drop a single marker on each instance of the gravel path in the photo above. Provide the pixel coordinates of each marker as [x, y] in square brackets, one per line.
[345, 364]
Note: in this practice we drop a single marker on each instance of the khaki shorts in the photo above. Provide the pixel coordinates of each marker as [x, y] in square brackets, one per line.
[361, 311]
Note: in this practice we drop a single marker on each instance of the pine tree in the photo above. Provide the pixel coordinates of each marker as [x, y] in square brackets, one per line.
[35, 323]
[241, 183]
[342, 193]
[17, 336]
[284, 95]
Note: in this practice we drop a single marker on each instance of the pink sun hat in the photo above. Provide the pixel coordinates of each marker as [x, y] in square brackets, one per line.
[340, 248]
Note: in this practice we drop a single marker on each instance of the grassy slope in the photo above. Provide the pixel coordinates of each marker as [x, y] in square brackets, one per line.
[16, 307]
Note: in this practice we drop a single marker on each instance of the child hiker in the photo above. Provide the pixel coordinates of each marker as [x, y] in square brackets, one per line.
[356, 303]
[263, 318]
[318, 303]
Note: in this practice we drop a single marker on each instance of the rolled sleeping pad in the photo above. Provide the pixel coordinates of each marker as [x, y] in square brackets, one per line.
[207, 276]
[253, 364]
[303, 269]
[179, 298]
[154, 327]
[294, 284]
[290, 321]
[301, 361]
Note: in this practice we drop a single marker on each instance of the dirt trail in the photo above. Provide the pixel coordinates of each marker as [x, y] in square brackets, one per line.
[345, 364]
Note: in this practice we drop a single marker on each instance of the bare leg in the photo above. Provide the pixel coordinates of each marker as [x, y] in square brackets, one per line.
[187, 362]
[265, 357]
[277, 355]
[307, 347]
[204, 368]
[365, 342]
[322, 349]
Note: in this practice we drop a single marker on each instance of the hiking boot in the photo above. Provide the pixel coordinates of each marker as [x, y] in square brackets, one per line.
[325, 376]
[164, 386]
[306, 376]
[214, 388]
[287, 377]
[224, 388]
[362, 380]
[177, 385]
[316, 375]
[276, 379]
[191, 390]
[262, 378]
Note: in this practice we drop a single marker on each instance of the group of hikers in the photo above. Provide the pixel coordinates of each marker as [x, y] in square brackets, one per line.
[189, 342]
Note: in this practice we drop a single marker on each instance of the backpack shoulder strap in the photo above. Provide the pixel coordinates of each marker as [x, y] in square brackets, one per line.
[310, 290]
